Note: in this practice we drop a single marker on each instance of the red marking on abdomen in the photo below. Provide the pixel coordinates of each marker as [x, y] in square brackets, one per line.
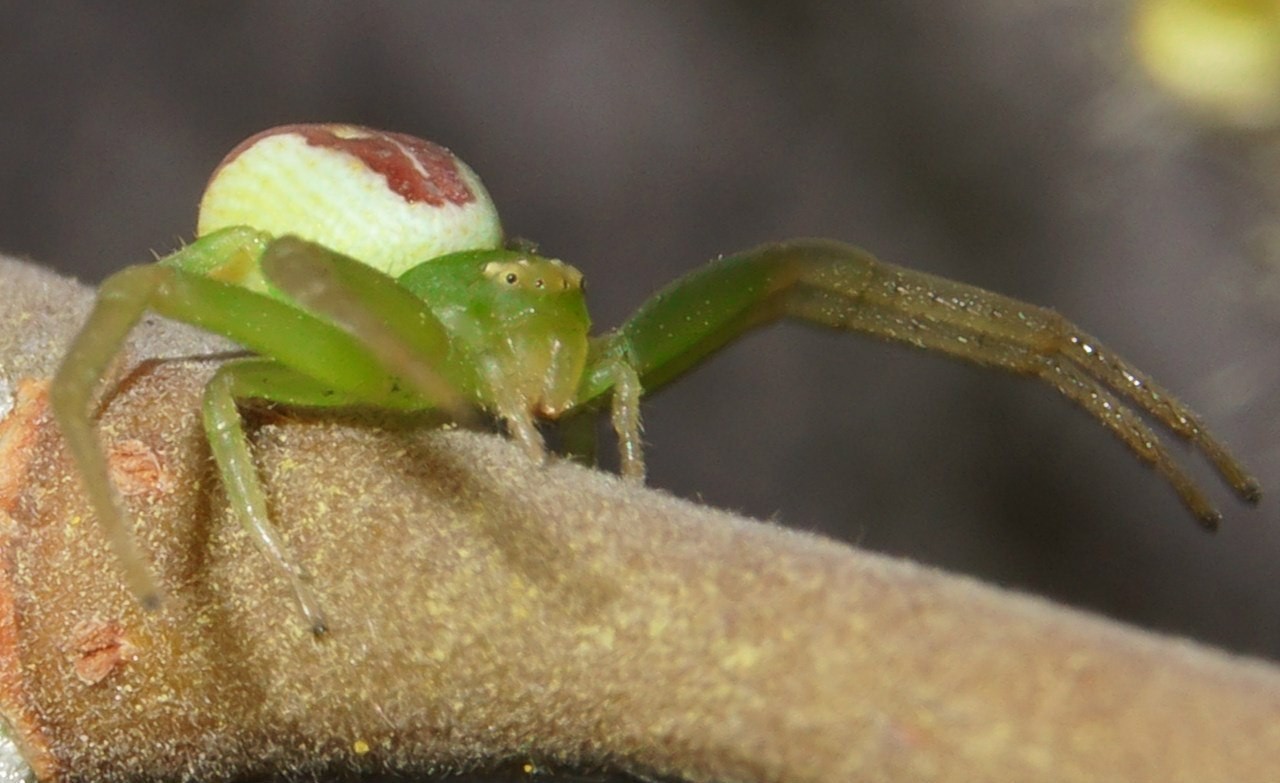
[417, 170]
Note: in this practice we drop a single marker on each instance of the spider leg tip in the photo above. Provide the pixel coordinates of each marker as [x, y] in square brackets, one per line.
[1209, 519]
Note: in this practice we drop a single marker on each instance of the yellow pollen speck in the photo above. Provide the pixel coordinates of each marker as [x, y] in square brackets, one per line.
[658, 625]
[360, 747]
[601, 636]
[744, 656]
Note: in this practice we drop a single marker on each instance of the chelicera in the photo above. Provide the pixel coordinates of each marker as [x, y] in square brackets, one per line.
[369, 268]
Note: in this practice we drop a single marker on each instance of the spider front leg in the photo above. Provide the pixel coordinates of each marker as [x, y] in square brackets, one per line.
[389, 361]
[838, 286]
[122, 300]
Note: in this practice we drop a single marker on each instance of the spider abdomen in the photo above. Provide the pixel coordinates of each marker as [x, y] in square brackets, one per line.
[387, 199]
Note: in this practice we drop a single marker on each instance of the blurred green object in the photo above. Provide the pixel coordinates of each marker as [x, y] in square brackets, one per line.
[1220, 57]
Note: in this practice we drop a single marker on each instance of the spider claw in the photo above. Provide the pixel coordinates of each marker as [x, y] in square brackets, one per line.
[1195, 502]
[1250, 491]
[1210, 520]
[314, 615]
[151, 601]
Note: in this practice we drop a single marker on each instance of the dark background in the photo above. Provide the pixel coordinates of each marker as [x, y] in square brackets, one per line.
[1009, 144]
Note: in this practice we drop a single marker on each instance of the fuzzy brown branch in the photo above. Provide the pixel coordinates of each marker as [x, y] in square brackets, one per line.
[482, 609]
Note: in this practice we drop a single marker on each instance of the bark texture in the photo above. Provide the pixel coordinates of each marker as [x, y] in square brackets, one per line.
[483, 610]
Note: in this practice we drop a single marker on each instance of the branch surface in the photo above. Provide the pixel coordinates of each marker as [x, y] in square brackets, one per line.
[483, 610]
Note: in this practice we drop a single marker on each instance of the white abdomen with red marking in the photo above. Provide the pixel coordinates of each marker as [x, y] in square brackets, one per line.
[387, 199]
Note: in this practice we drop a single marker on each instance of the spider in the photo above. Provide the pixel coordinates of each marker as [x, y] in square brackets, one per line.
[362, 267]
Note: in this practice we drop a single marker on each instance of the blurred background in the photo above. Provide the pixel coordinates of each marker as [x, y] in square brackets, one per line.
[1071, 154]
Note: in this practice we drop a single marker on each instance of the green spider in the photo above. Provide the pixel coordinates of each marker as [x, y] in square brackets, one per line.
[437, 314]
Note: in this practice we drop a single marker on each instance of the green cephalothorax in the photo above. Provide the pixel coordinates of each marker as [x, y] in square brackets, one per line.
[368, 268]
[519, 323]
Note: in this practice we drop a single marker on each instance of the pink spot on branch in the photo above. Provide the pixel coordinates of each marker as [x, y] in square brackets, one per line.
[98, 649]
[415, 169]
[136, 469]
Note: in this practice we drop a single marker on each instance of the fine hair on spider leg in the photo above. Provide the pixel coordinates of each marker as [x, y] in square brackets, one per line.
[839, 286]
[994, 330]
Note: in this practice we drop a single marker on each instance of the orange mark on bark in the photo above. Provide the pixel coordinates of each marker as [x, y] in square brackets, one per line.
[18, 433]
[137, 470]
[98, 649]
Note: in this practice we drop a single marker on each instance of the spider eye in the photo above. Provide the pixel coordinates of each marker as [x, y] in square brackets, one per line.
[511, 278]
